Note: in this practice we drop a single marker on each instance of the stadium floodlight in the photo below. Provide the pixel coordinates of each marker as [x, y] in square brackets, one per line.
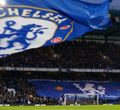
[2, 2]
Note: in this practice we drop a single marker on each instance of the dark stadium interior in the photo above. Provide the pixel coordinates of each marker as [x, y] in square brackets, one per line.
[77, 54]
[96, 50]
[22, 92]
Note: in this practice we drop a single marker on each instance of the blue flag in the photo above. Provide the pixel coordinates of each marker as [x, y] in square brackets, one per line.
[27, 24]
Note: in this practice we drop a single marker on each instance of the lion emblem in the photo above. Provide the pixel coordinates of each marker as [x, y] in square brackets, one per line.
[19, 34]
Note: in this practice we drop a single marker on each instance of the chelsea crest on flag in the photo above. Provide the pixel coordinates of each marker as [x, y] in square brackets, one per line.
[35, 23]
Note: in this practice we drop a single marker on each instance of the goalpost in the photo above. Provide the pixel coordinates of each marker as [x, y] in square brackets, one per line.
[80, 99]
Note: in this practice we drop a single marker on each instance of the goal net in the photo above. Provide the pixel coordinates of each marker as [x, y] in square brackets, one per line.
[80, 99]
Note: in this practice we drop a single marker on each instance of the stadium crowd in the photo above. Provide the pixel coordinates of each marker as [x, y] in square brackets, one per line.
[16, 89]
[76, 54]
[19, 91]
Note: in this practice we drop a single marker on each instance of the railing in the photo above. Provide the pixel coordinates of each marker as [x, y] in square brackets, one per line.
[60, 69]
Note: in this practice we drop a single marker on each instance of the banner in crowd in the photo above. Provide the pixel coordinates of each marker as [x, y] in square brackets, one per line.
[27, 24]
[57, 89]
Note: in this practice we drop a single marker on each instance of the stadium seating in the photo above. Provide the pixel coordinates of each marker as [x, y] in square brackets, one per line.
[32, 88]
[74, 54]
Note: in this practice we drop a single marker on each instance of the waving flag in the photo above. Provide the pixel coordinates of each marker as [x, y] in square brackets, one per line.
[27, 24]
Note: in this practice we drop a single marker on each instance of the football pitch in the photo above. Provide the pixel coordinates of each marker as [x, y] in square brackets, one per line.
[102, 107]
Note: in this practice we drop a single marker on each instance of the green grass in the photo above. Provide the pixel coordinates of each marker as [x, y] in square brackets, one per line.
[102, 107]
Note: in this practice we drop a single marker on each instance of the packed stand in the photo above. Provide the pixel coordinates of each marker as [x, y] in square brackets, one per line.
[18, 91]
[76, 54]
[15, 87]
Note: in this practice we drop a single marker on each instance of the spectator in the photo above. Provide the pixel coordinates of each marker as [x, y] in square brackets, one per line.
[76, 54]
